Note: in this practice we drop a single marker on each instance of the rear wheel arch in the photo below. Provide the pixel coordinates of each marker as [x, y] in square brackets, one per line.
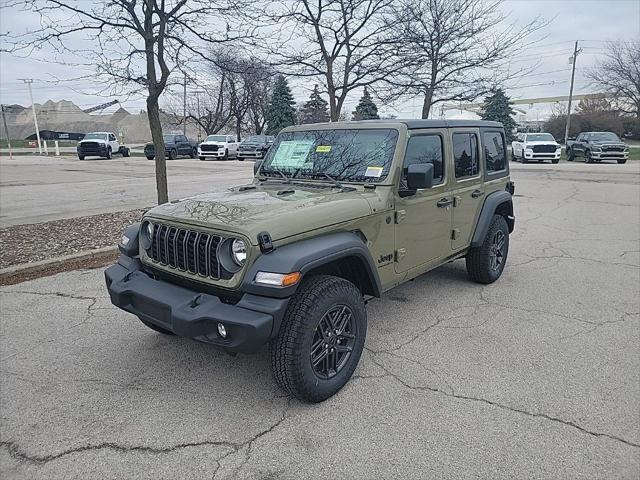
[499, 203]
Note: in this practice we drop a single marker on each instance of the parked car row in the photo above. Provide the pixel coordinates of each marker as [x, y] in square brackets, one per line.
[591, 146]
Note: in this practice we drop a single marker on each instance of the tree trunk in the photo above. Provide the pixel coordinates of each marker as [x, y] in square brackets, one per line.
[153, 113]
[238, 128]
[426, 104]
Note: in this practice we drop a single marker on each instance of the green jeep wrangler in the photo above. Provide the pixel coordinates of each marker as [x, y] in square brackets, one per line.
[337, 213]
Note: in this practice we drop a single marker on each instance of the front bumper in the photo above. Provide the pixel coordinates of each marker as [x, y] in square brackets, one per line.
[542, 156]
[604, 155]
[250, 323]
[210, 153]
[251, 153]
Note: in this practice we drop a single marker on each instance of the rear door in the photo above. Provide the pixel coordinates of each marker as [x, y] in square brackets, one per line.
[466, 185]
[423, 218]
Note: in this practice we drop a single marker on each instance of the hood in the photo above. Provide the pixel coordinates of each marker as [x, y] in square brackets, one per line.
[608, 142]
[281, 209]
[212, 142]
[94, 140]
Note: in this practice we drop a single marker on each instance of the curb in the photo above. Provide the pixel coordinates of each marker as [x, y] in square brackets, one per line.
[56, 261]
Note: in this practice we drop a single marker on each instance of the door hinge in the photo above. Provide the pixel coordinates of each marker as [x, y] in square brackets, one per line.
[400, 253]
[400, 215]
[455, 234]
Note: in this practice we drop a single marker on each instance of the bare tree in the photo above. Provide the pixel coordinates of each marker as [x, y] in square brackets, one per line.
[619, 74]
[132, 44]
[455, 50]
[341, 42]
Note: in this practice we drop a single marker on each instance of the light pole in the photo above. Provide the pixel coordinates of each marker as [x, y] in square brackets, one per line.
[198, 92]
[573, 74]
[29, 81]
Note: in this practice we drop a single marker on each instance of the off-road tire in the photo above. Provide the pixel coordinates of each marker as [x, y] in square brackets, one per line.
[173, 154]
[291, 349]
[150, 158]
[126, 152]
[80, 157]
[622, 160]
[156, 328]
[570, 155]
[194, 153]
[479, 259]
[109, 155]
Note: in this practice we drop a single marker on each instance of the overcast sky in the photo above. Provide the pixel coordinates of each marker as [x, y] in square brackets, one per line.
[593, 22]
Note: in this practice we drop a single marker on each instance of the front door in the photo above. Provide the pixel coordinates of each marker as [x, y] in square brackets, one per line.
[467, 186]
[423, 217]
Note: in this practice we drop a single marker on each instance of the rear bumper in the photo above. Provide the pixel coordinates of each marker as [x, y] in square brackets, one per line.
[188, 313]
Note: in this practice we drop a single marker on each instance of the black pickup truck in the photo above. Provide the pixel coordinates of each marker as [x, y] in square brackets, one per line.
[597, 146]
[174, 145]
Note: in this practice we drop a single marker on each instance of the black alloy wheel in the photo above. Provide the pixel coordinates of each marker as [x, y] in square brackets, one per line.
[496, 255]
[333, 342]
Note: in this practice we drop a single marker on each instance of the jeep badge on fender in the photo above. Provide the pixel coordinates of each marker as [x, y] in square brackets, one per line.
[337, 213]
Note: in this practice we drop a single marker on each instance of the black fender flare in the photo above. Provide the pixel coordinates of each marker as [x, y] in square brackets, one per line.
[491, 204]
[306, 255]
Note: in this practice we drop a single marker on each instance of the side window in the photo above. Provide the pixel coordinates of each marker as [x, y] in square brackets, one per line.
[465, 155]
[112, 137]
[424, 149]
[494, 153]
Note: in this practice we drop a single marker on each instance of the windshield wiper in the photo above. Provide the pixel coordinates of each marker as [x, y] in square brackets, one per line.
[279, 172]
[333, 180]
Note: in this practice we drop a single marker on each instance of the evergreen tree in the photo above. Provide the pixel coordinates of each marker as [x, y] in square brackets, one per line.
[366, 109]
[497, 107]
[314, 110]
[280, 112]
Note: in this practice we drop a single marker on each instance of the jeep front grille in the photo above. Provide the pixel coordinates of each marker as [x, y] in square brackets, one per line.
[187, 250]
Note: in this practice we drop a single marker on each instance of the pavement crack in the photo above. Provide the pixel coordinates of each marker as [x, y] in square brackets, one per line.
[502, 406]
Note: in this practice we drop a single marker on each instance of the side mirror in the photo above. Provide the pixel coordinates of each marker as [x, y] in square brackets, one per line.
[256, 166]
[420, 175]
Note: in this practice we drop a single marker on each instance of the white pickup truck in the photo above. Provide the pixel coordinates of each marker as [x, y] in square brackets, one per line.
[218, 146]
[536, 146]
[100, 144]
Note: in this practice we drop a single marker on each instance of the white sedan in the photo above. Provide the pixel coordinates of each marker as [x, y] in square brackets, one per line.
[536, 147]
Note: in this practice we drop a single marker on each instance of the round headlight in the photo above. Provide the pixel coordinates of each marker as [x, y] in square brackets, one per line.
[146, 235]
[239, 251]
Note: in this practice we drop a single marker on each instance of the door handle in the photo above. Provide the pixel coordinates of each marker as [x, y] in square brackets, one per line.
[477, 193]
[444, 202]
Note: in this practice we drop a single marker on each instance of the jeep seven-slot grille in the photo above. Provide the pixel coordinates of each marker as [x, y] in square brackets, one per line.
[544, 149]
[187, 250]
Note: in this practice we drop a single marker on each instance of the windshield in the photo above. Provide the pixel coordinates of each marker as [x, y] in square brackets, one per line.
[216, 138]
[363, 155]
[540, 137]
[256, 139]
[96, 136]
[604, 137]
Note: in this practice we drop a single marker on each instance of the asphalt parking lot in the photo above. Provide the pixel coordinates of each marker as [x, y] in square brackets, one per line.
[37, 189]
[535, 376]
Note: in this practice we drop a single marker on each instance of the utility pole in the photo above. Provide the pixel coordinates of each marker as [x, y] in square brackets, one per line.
[184, 106]
[573, 75]
[198, 92]
[6, 131]
[29, 81]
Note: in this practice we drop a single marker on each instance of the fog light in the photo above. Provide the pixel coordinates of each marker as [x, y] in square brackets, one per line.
[222, 331]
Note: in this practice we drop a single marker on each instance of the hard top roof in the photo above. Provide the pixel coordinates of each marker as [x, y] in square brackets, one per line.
[411, 124]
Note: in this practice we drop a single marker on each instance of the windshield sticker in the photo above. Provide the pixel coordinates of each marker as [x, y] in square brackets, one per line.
[292, 153]
[323, 148]
[374, 172]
